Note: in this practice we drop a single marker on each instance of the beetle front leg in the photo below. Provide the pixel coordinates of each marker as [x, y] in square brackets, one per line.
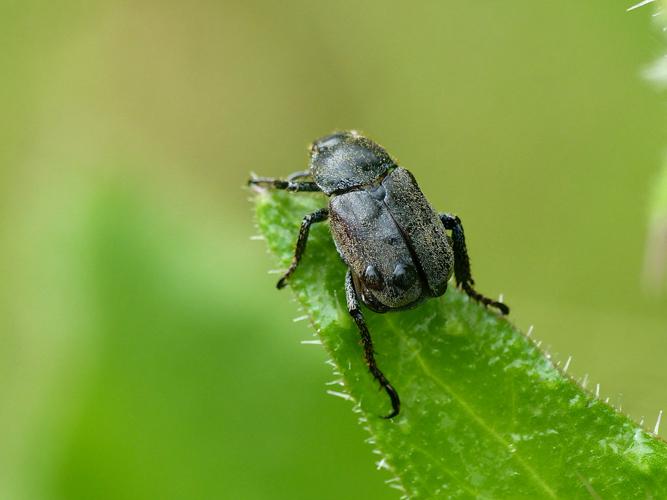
[317, 216]
[287, 185]
[301, 174]
[462, 263]
[369, 355]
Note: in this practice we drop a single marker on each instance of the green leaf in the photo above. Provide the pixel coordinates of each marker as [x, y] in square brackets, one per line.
[484, 412]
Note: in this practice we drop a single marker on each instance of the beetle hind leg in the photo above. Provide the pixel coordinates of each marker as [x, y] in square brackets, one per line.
[369, 354]
[317, 216]
[462, 272]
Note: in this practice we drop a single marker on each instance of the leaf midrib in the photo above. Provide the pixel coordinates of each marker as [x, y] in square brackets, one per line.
[467, 408]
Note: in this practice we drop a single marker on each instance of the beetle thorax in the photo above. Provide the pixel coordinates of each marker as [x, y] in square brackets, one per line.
[346, 160]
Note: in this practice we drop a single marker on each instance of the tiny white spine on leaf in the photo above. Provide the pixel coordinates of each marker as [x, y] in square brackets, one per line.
[656, 429]
[339, 381]
[597, 390]
[584, 381]
[567, 364]
[640, 4]
[397, 486]
[311, 342]
[382, 464]
[342, 395]
[300, 318]
[530, 331]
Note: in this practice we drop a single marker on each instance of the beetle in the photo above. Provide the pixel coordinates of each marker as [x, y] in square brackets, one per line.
[395, 246]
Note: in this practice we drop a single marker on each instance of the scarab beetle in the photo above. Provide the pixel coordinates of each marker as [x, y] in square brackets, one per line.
[394, 244]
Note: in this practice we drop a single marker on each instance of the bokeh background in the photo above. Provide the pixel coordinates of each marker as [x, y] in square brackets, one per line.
[144, 351]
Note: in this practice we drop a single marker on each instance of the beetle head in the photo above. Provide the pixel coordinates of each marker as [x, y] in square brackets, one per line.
[346, 160]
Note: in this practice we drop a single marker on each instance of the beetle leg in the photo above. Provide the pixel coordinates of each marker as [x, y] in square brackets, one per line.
[317, 216]
[288, 185]
[369, 355]
[299, 175]
[462, 263]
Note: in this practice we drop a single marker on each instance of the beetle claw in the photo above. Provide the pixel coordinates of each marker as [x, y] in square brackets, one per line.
[502, 308]
[473, 294]
[395, 401]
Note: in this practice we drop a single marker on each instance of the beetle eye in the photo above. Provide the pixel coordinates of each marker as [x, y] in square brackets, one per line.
[372, 278]
[403, 276]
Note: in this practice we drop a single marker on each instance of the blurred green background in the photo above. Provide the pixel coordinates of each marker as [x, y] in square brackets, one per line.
[145, 352]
